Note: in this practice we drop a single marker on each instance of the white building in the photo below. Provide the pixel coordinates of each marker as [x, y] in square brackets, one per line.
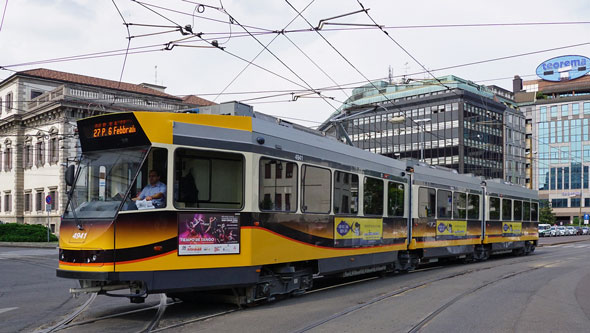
[38, 136]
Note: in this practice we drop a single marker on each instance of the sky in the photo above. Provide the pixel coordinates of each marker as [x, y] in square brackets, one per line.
[34, 31]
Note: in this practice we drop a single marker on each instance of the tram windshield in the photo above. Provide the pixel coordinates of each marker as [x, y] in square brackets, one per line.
[103, 179]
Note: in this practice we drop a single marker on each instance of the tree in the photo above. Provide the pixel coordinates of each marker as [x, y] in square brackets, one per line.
[546, 215]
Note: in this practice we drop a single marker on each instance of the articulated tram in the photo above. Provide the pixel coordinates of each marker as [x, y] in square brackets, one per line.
[262, 209]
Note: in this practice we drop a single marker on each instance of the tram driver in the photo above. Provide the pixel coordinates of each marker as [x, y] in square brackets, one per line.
[155, 191]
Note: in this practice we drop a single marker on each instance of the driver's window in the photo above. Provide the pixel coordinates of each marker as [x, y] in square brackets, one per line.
[150, 190]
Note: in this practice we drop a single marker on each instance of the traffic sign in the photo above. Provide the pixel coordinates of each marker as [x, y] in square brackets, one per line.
[586, 216]
[48, 199]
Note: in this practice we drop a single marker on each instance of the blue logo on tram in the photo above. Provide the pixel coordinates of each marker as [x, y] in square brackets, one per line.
[442, 227]
[343, 228]
[564, 68]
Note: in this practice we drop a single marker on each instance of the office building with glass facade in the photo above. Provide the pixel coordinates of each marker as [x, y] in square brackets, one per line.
[449, 122]
[558, 128]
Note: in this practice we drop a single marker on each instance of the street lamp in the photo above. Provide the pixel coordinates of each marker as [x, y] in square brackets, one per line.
[402, 119]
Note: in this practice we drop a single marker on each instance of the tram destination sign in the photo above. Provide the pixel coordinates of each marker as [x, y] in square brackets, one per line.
[116, 131]
[564, 68]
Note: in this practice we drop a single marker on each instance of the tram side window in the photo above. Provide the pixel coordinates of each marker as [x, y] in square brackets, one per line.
[275, 192]
[395, 199]
[208, 179]
[494, 208]
[150, 189]
[534, 211]
[459, 205]
[426, 202]
[517, 210]
[506, 210]
[526, 211]
[346, 193]
[444, 203]
[315, 189]
[373, 196]
[473, 207]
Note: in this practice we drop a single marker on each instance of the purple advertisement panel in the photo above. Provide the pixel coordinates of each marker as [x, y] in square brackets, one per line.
[203, 233]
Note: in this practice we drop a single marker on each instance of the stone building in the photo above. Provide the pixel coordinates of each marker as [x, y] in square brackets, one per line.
[38, 135]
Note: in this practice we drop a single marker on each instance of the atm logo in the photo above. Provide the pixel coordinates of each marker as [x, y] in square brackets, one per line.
[564, 68]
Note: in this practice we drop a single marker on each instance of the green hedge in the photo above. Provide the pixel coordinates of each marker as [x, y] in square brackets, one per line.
[14, 232]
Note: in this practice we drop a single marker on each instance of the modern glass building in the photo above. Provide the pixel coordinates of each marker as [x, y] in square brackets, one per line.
[558, 119]
[449, 122]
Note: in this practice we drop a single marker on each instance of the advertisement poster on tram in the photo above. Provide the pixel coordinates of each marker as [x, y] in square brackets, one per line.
[451, 229]
[200, 233]
[511, 229]
[352, 231]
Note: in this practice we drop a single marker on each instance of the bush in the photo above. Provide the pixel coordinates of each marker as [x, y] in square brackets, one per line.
[14, 232]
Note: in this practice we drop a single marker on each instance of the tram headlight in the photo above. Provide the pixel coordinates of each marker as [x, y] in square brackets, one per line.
[94, 257]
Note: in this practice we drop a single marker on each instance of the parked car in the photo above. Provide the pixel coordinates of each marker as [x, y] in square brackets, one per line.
[553, 231]
[561, 231]
[578, 230]
[544, 230]
[571, 231]
[585, 230]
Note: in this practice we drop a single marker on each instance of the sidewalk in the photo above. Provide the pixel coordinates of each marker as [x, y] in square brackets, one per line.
[550, 241]
[41, 245]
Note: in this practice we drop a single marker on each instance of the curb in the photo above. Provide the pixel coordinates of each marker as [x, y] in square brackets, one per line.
[561, 243]
[39, 245]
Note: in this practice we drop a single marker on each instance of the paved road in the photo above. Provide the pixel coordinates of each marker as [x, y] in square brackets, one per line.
[547, 291]
[30, 294]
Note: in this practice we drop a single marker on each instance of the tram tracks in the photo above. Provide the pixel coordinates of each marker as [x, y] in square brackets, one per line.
[69, 318]
[157, 324]
[401, 291]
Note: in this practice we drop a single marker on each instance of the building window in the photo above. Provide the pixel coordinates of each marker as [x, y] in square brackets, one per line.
[554, 111]
[35, 94]
[585, 176]
[7, 202]
[559, 178]
[316, 189]
[575, 202]
[39, 201]
[575, 109]
[53, 152]
[54, 204]
[566, 178]
[8, 102]
[543, 113]
[586, 202]
[564, 110]
[28, 156]
[373, 196]
[28, 202]
[587, 108]
[346, 192]
[40, 154]
[7, 158]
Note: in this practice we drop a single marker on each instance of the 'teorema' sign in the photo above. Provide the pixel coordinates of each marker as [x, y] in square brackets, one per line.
[564, 68]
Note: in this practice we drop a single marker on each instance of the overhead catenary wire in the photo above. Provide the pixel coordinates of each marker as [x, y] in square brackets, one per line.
[128, 42]
[3, 14]
[257, 55]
